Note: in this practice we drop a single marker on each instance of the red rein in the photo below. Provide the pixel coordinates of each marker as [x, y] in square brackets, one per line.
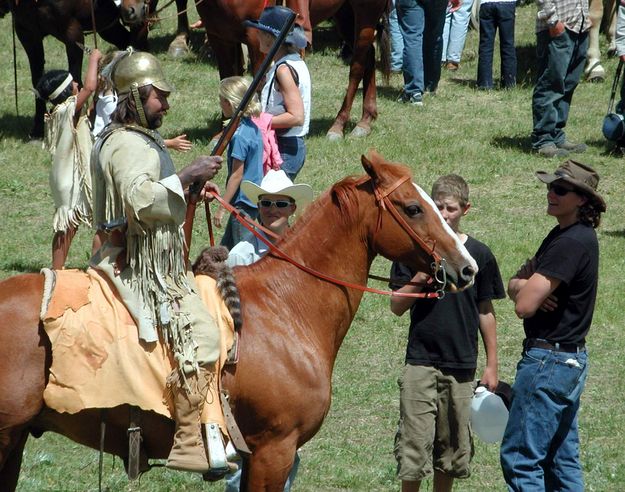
[384, 203]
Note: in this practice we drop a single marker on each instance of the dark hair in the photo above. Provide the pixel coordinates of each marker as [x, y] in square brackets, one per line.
[49, 82]
[126, 110]
[589, 213]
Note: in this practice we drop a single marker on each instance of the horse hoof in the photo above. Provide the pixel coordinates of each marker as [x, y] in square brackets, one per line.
[334, 136]
[178, 48]
[360, 131]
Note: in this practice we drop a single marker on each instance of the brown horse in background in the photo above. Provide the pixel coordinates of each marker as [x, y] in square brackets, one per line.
[66, 20]
[295, 323]
[358, 22]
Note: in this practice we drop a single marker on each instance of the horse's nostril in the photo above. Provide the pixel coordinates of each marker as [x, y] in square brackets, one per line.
[468, 271]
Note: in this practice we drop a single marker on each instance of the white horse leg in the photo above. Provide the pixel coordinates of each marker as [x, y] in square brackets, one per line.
[594, 72]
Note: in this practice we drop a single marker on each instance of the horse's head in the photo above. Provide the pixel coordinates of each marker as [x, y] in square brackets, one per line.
[410, 229]
[134, 12]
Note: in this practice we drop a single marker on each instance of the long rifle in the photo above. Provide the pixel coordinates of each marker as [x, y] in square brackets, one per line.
[227, 133]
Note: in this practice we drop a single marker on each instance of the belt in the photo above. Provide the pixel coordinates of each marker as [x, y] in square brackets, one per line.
[529, 343]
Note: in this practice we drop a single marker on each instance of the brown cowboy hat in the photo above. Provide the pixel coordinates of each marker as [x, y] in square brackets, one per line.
[581, 176]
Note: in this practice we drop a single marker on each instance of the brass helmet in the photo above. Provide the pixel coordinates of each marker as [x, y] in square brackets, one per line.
[138, 69]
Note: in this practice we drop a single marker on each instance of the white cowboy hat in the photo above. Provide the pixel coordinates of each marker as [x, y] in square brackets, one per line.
[278, 183]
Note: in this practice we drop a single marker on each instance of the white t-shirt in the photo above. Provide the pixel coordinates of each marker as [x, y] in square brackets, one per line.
[104, 107]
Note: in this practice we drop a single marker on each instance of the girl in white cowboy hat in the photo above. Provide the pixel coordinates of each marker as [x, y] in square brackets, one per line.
[278, 199]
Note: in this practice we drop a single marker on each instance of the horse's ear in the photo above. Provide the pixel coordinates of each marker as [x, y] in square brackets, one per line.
[371, 163]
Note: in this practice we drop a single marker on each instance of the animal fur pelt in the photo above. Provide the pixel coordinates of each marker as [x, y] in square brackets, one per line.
[212, 262]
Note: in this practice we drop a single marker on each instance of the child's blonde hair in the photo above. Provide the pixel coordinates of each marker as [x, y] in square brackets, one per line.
[451, 185]
[232, 89]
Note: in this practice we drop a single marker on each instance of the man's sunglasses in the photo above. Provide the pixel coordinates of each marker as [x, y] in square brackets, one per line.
[558, 189]
[277, 203]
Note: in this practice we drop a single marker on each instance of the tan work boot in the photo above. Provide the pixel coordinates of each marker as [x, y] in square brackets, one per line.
[188, 452]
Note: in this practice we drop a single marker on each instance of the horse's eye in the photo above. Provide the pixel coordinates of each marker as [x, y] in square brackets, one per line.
[412, 210]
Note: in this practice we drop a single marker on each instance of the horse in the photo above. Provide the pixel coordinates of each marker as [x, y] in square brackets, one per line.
[66, 20]
[139, 17]
[602, 14]
[358, 22]
[294, 324]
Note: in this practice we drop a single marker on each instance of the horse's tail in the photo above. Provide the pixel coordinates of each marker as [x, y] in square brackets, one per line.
[383, 35]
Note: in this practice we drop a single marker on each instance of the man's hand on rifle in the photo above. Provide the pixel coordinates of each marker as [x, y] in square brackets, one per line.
[200, 170]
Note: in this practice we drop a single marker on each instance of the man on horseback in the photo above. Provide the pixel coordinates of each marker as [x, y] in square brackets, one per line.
[140, 201]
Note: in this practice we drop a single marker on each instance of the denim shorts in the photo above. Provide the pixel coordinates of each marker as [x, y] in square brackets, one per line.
[434, 430]
[293, 153]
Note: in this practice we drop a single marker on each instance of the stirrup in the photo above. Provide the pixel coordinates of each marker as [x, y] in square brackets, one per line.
[217, 461]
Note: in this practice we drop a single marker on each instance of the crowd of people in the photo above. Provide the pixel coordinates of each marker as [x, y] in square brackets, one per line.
[138, 206]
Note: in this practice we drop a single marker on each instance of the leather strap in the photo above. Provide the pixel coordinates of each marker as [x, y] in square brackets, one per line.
[134, 443]
[231, 424]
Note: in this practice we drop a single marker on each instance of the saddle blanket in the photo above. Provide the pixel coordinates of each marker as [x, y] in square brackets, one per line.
[98, 360]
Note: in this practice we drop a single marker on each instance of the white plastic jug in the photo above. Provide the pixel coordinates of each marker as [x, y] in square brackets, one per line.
[489, 415]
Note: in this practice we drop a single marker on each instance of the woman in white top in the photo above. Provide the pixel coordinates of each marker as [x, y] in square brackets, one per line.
[287, 90]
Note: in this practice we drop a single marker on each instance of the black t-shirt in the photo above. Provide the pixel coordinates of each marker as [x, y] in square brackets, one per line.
[443, 333]
[570, 255]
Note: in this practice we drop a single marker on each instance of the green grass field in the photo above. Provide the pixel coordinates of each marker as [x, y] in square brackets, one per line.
[484, 136]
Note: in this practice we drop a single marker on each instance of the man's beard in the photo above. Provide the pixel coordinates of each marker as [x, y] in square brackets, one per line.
[154, 120]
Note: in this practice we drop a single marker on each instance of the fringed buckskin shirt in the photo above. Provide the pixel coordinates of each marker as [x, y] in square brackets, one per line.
[135, 182]
[70, 179]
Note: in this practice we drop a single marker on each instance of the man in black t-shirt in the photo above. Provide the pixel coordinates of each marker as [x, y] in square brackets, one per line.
[436, 386]
[554, 293]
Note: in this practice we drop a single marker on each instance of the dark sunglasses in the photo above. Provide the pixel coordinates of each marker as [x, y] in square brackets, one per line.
[558, 189]
[277, 203]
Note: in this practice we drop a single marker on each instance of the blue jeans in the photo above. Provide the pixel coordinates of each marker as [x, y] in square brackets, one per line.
[493, 16]
[293, 153]
[560, 65]
[233, 480]
[421, 23]
[235, 232]
[397, 42]
[455, 31]
[540, 447]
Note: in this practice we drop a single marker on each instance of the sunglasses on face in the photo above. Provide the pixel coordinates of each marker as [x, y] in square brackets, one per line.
[559, 189]
[276, 203]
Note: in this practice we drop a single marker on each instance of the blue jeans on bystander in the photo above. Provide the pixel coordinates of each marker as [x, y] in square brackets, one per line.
[455, 31]
[540, 447]
[421, 23]
[561, 63]
[493, 16]
[397, 42]
[293, 153]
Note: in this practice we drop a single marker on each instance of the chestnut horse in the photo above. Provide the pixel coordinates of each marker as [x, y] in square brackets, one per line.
[66, 20]
[357, 20]
[295, 323]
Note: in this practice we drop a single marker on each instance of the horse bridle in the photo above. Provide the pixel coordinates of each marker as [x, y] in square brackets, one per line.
[383, 202]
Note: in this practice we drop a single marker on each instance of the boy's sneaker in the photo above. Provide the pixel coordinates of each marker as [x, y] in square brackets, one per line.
[416, 99]
[575, 148]
[550, 150]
